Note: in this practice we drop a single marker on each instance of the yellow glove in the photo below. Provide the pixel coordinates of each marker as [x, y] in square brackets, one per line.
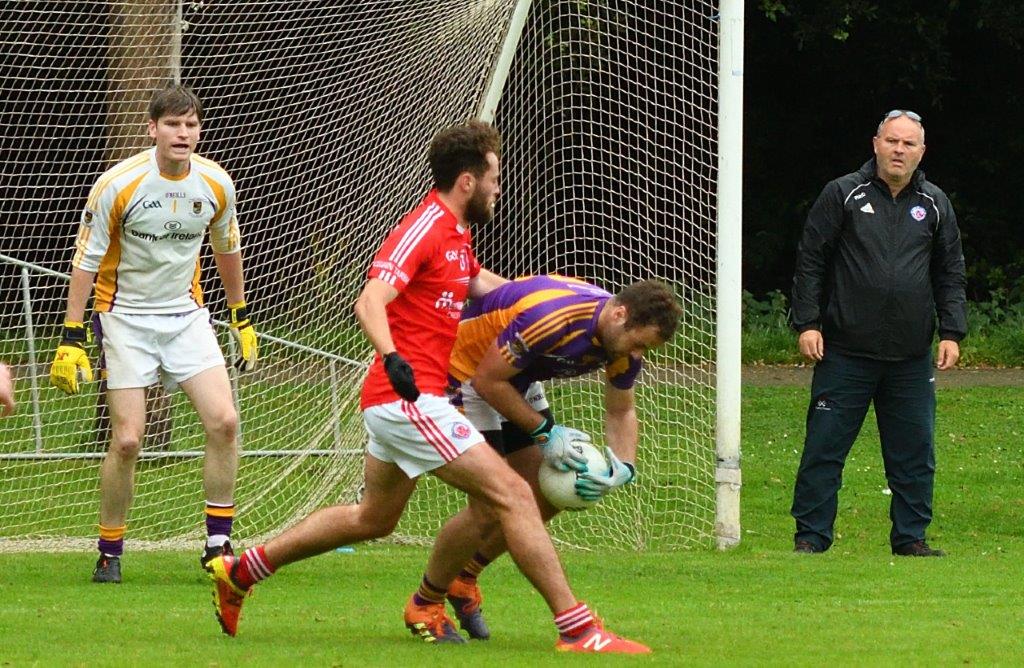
[71, 359]
[245, 335]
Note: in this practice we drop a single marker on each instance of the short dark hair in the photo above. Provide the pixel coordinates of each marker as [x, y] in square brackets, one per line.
[462, 148]
[174, 100]
[651, 303]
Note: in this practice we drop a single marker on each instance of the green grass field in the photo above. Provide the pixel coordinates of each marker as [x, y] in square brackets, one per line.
[757, 605]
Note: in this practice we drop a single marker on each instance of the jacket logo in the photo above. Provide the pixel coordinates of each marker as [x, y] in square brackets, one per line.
[918, 213]
[867, 208]
[197, 207]
[860, 196]
[152, 204]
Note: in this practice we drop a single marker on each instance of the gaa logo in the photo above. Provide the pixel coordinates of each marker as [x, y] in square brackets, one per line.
[461, 430]
[172, 225]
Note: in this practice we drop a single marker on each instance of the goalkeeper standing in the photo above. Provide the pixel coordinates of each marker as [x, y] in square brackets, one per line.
[526, 331]
[409, 310]
[139, 241]
[879, 259]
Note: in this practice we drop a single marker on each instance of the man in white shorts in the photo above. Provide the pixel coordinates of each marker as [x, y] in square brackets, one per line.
[526, 331]
[409, 309]
[139, 242]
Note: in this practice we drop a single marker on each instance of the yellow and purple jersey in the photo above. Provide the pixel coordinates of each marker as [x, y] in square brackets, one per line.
[544, 325]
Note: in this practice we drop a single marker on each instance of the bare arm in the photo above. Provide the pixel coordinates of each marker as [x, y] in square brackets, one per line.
[621, 427]
[229, 266]
[6, 390]
[373, 317]
[78, 294]
[492, 382]
[484, 282]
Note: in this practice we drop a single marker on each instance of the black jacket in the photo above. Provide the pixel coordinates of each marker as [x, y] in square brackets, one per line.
[872, 272]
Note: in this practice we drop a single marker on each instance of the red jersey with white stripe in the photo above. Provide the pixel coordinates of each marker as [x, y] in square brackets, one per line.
[429, 259]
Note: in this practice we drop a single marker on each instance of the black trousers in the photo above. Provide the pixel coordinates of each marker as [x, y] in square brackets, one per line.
[904, 396]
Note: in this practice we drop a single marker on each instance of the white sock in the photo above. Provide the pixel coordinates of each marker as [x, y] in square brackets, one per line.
[216, 540]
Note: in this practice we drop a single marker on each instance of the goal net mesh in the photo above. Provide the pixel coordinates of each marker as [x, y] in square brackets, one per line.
[321, 111]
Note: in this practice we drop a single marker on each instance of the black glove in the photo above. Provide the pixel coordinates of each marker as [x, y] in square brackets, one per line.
[401, 376]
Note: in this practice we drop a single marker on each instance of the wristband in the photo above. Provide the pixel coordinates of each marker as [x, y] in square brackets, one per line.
[239, 314]
[73, 332]
[545, 427]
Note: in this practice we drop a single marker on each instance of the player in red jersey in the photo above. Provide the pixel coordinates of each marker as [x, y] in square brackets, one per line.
[410, 310]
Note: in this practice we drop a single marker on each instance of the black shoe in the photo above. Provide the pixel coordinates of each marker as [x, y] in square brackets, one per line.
[918, 548]
[805, 547]
[211, 553]
[108, 569]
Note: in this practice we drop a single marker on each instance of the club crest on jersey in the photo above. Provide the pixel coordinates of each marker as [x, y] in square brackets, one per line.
[518, 347]
[88, 217]
[918, 213]
[197, 207]
[461, 430]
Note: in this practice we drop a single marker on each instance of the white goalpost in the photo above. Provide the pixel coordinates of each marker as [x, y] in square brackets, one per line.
[622, 127]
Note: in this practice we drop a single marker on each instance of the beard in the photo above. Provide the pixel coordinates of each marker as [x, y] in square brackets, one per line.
[477, 210]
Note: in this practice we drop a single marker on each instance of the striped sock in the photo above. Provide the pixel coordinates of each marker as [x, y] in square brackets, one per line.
[219, 517]
[428, 593]
[111, 542]
[574, 621]
[471, 571]
[253, 567]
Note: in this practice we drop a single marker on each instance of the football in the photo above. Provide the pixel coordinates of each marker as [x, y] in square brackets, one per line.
[560, 486]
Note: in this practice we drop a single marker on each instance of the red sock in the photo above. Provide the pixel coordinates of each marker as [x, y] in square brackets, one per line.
[253, 567]
[574, 621]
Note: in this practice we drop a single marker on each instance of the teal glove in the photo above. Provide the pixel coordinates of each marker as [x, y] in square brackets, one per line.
[593, 486]
[555, 442]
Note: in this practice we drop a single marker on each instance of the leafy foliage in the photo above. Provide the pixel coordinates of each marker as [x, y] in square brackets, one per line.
[847, 62]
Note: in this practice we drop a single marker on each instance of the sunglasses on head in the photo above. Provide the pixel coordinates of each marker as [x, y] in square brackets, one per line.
[896, 113]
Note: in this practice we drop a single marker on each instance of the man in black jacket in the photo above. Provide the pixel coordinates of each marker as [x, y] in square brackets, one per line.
[879, 259]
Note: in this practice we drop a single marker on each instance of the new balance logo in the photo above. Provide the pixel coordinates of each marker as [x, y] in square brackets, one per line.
[867, 208]
[597, 641]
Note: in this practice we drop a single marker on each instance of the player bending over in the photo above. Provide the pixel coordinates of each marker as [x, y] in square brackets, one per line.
[526, 331]
[139, 240]
[410, 310]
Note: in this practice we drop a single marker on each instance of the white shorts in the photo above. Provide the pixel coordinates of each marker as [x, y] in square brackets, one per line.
[485, 418]
[418, 437]
[139, 350]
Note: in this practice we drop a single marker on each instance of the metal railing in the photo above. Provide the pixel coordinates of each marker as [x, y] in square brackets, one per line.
[39, 453]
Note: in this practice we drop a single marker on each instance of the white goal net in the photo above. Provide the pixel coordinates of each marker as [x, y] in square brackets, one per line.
[322, 111]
